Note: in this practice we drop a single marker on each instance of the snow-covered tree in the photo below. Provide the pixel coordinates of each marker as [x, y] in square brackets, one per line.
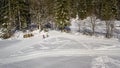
[91, 12]
[81, 10]
[109, 13]
[62, 13]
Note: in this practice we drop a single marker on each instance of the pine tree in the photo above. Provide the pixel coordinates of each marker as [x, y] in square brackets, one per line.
[81, 11]
[4, 13]
[118, 6]
[6, 18]
[62, 13]
[27, 13]
[109, 12]
[73, 8]
[21, 14]
[91, 12]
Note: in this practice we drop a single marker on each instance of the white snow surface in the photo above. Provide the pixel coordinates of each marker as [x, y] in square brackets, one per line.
[62, 50]
[59, 50]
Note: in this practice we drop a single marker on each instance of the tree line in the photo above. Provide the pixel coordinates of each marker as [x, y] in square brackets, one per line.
[19, 14]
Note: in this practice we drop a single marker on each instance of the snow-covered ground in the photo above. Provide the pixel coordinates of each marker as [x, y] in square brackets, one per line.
[62, 50]
[100, 27]
[59, 50]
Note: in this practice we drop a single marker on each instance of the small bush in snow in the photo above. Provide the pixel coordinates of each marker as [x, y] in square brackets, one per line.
[5, 34]
[28, 35]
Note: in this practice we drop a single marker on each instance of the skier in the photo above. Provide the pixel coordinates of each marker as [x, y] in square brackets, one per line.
[47, 34]
[43, 34]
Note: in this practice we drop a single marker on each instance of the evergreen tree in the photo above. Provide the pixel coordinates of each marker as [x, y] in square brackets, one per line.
[62, 13]
[21, 14]
[109, 13]
[27, 13]
[6, 17]
[4, 13]
[81, 10]
[73, 8]
[118, 5]
[91, 12]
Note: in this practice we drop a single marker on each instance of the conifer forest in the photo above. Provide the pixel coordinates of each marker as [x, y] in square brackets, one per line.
[20, 14]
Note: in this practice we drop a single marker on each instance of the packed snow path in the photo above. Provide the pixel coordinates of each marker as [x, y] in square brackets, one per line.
[58, 44]
[56, 53]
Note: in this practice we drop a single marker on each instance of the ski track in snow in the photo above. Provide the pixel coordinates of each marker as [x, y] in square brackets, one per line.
[102, 62]
[63, 52]
[17, 52]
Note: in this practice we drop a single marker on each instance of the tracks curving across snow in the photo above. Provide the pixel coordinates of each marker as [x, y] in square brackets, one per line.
[61, 45]
[59, 52]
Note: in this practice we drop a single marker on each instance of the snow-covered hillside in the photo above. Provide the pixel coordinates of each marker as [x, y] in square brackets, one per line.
[60, 50]
[100, 27]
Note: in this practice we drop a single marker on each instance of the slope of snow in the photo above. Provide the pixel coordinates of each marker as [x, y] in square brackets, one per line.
[60, 50]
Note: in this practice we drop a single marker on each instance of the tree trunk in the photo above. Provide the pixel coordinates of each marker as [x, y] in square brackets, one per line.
[79, 27]
[108, 29]
[93, 28]
[28, 17]
[93, 24]
[20, 24]
[112, 29]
